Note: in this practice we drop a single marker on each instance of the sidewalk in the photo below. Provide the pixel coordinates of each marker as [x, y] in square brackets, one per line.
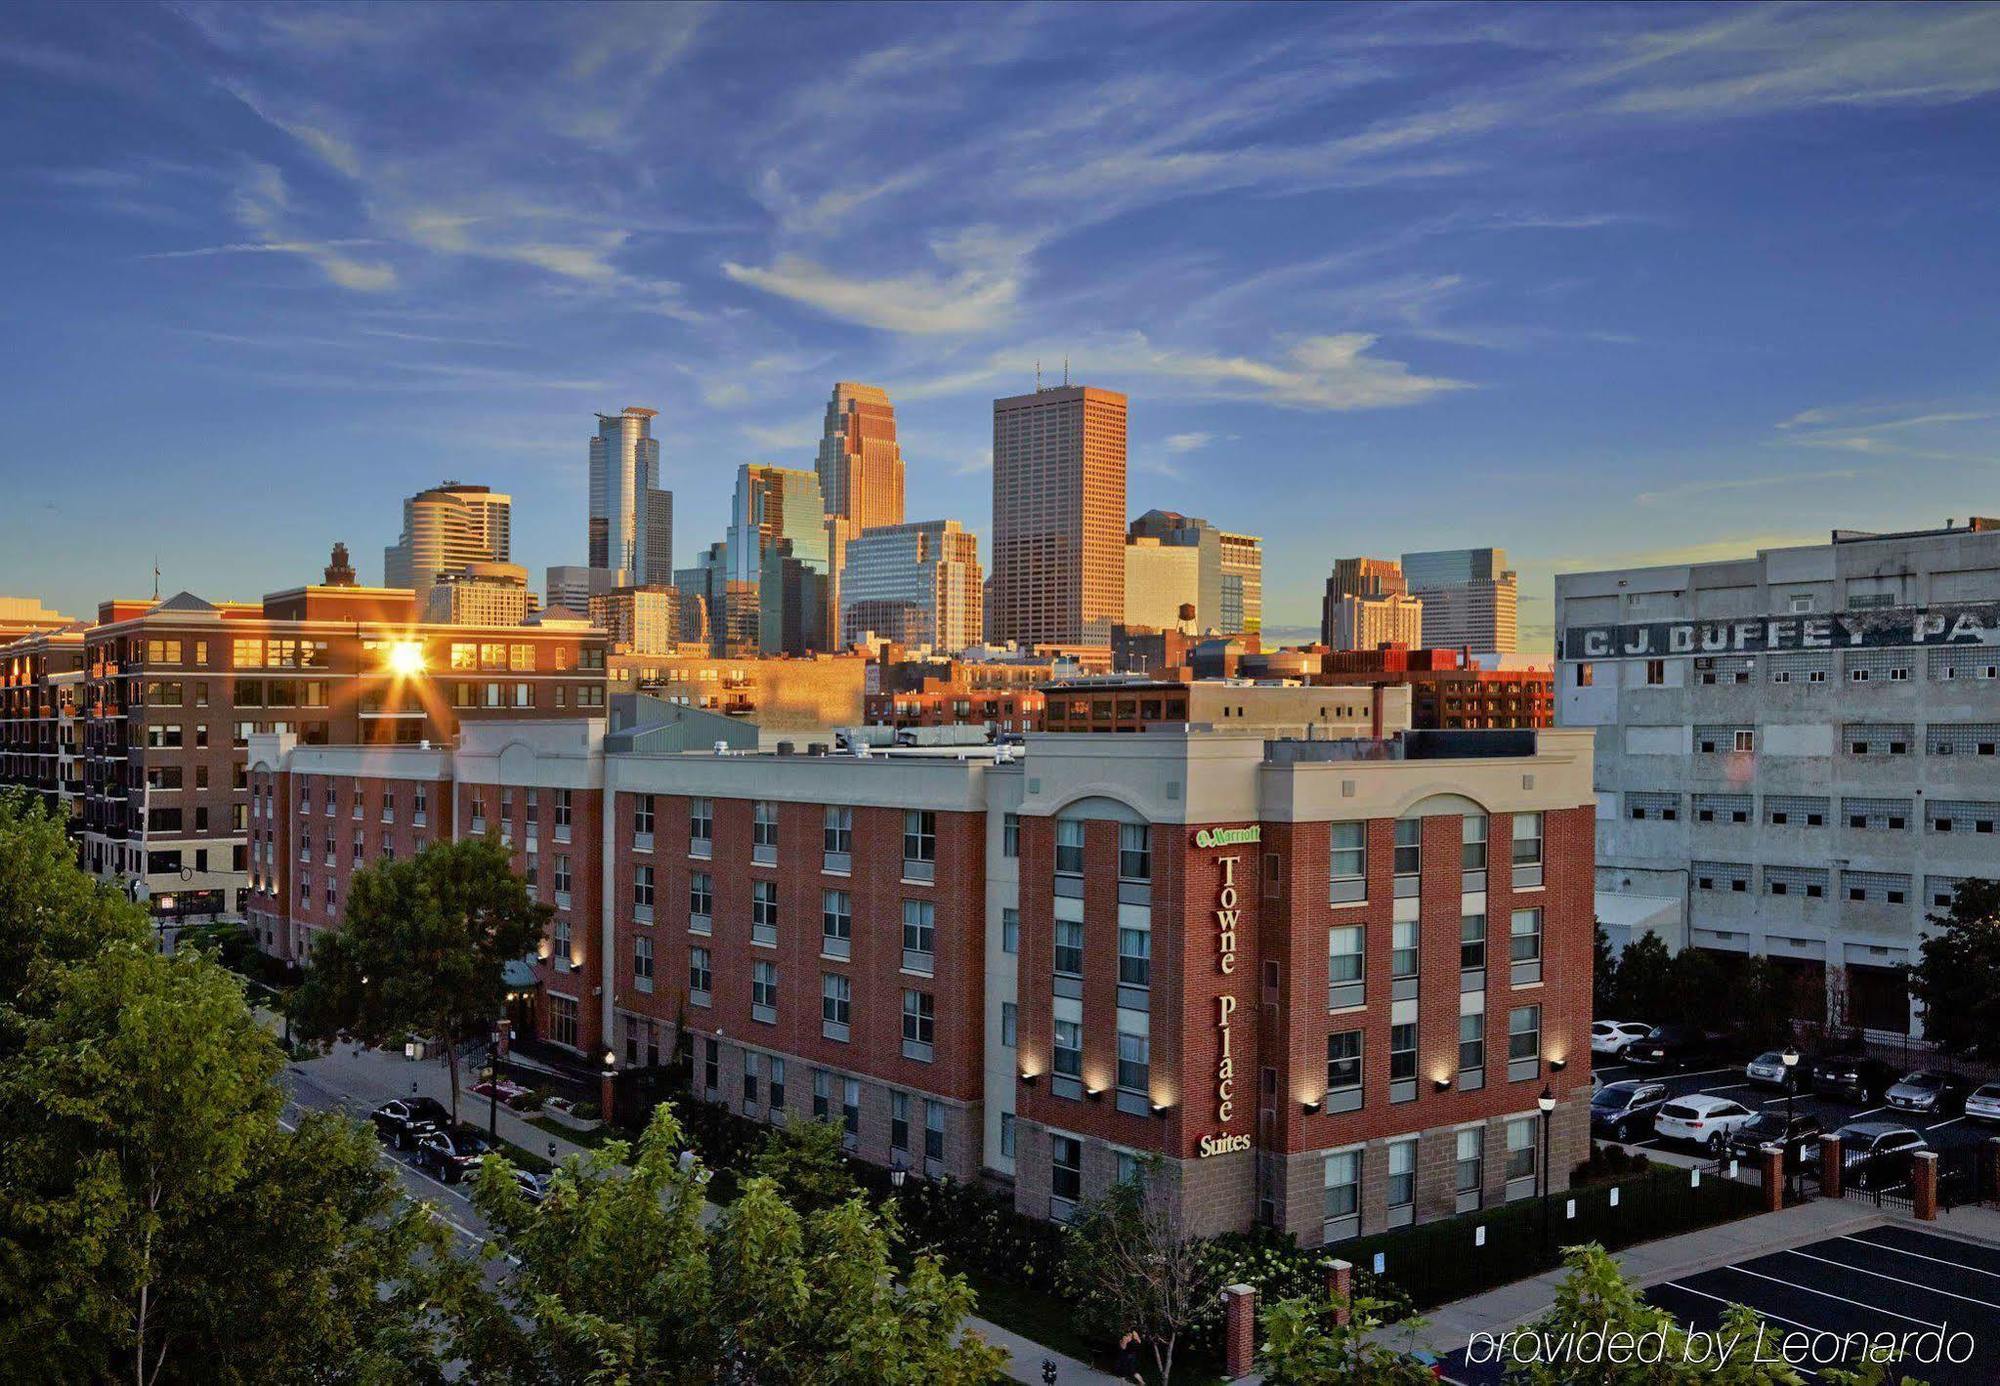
[371, 1077]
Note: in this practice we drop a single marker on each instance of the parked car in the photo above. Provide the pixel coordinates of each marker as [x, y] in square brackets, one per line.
[1768, 1069]
[1700, 1119]
[1625, 1111]
[1852, 1078]
[1932, 1090]
[1770, 1128]
[1984, 1103]
[1609, 1037]
[1877, 1154]
[450, 1153]
[1673, 1046]
[534, 1187]
[400, 1122]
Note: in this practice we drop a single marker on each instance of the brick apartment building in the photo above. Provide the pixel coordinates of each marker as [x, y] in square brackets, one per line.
[938, 703]
[1446, 692]
[1269, 962]
[141, 722]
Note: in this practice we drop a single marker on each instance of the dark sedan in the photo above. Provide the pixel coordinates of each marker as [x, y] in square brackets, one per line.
[1625, 1111]
[1769, 1128]
[1852, 1078]
[400, 1122]
[1933, 1091]
[1878, 1154]
[1673, 1046]
[451, 1154]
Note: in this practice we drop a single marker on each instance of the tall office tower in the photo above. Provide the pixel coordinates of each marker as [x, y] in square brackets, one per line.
[1231, 601]
[792, 603]
[1367, 605]
[1058, 516]
[916, 584]
[444, 529]
[774, 503]
[1366, 577]
[1470, 597]
[1161, 582]
[571, 586]
[659, 540]
[860, 464]
[624, 474]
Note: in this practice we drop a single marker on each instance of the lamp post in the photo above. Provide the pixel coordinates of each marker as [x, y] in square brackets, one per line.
[1547, 1103]
[1790, 1058]
[605, 1085]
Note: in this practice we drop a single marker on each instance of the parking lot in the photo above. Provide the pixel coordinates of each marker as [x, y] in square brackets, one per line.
[1894, 1279]
[1942, 1132]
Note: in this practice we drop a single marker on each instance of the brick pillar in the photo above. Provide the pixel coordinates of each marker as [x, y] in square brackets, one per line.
[1340, 1288]
[1239, 1329]
[1923, 1186]
[1829, 1166]
[1771, 1161]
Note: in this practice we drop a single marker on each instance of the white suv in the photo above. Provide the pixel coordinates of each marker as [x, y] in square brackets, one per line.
[1701, 1120]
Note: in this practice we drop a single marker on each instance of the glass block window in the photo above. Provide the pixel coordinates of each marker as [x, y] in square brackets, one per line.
[1961, 815]
[1644, 806]
[1876, 887]
[1980, 662]
[1962, 738]
[1796, 810]
[1807, 882]
[1879, 815]
[1721, 740]
[1888, 666]
[1938, 890]
[1799, 667]
[1733, 669]
[1878, 738]
[1721, 875]
[1722, 808]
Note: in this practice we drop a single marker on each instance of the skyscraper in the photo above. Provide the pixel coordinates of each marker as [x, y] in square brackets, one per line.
[860, 464]
[774, 503]
[1231, 601]
[916, 584]
[1058, 516]
[625, 517]
[1367, 605]
[444, 529]
[1471, 598]
[659, 539]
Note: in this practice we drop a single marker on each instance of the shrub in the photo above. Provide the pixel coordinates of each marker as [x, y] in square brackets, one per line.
[1280, 1269]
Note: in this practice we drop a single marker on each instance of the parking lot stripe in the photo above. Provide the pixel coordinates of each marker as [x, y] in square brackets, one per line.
[1905, 1251]
[1760, 1313]
[1828, 1294]
[1892, 1279]
[1942, 1124]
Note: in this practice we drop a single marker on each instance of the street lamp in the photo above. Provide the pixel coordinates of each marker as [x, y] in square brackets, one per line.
[1547, 1103]
[897, 1174]
[1790, 1059]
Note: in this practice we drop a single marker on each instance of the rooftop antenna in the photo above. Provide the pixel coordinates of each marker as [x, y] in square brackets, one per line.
[1038, 373]
[1065, 370]
[156, 577]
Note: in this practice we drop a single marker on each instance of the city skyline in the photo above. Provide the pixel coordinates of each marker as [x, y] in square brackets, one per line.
[1610, 337]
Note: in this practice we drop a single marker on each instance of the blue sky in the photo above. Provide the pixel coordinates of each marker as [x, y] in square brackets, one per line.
[1597, 285]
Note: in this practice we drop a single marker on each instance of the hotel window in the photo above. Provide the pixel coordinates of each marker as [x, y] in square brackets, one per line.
[764, 912]
[1521, 1157]
[642, 963]
[1527, 850]
[752, 1061]
[1135, 1054]
[1010, 931]
[919, 934]
[421, 808]
[777, 1086]
[1069, 846]
[1007, 1135]
[1403, 951]
[560, 948]
[1343, 1071]
[1409, 850]
[701, 902]
[1402, 1183]
[532, 814]
[1346, 984]
[1469, 1171]
[933, 1131]
[701, 977]
[764, 832]
[1065, 1176]
[919, 844]
[1472, 1042]
[562, 878]
[1349, 863]
[836, 924]
[1524, 947]
[1524, 1043]
[899, 1121]
[764, 992]
[1068, 1062]
[1402, 1058]
[1135, 957]
[822, 1094]
[1010, 834]
[642, 822]
[562, 1021]
[1343, 1196]
[1010, 1024]
[1069, 947]
[1135, 852]
[850, 1112]
[919, 1020]
[701, 827]
[1472, 854]
[836, 1002]
[837, 835]
[563, 805]
[642, 894]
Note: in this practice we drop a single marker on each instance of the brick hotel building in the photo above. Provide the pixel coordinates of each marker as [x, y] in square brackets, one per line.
[1326, 980]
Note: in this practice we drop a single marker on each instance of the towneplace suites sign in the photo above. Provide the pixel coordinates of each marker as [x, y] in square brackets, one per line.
[1967, 623]
[1228, 918]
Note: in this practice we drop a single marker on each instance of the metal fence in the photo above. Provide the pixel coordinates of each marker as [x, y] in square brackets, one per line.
[1437, 1262]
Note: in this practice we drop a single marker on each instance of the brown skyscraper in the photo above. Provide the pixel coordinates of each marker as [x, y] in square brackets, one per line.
[1058, 516]
[860, 464]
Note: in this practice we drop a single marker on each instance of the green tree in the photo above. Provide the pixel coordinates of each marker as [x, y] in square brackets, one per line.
[806, 1162]
[1604, 977]
[1305, 1343]
[1957, 975]
[1131, 1267]
[1645, 980]
[621, 1280]
[422, 949]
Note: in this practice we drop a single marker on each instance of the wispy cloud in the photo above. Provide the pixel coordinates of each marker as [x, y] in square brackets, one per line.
[1188, 442]
[975, 290]
[1724, 485]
